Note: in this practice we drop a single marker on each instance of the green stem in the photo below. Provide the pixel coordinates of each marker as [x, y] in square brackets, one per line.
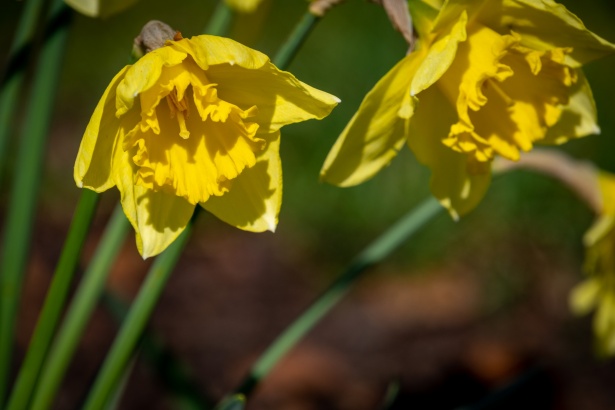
[373, 254]
[390, 395]
[123, 346]
[220, 20]
[54, 302]
[22, 204]
[236, 402]
[114, 402]
[295, 40]
[171, 371]
[81, 308]
[11, 86]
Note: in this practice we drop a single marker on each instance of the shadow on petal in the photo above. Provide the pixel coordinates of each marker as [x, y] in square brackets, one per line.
[253, 202]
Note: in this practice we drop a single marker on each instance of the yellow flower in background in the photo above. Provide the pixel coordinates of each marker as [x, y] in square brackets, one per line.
[99, 8]
[244, 6]
[195, 122]
[487, 78]
[598, 291]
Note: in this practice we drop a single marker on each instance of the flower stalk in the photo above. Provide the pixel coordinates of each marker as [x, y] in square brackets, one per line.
[295, 40]
[54, 302]
[220, 20]
[116, 362]
[12, 80]
[378, 250]
[80, 310]
[22, 205]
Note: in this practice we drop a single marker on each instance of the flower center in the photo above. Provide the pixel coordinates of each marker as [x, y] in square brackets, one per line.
[506, 95]
[177, 108]
[194, 145]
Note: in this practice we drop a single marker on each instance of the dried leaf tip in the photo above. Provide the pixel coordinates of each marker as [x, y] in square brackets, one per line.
[320, 7]
[399, 15]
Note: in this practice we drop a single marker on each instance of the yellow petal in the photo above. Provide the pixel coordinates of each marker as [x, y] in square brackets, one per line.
[143, 75]
[93, 163]
[247, 78]
[376, 132]
[606, 181]
[465, 84]
[543, 25]
[440, 56]
[604, 323]
[600, 229]
[281, 98]
[201, 165]
[604, 225]
[585, 296]
[454, 182]
[578, 118]
[157, 217]
[213, 50]
[423, 15]
[254, 200]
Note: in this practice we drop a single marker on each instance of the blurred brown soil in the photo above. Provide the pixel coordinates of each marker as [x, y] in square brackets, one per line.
[431, 330]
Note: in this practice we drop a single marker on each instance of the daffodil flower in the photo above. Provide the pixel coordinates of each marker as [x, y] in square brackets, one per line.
[598, 291]
[487, 78]
[195, 122]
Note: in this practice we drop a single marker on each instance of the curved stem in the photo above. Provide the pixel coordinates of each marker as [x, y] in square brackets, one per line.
[220, 20]
[379, 249]
[124, 344]
[54, 302]
[80, 310]
[14, 74]
[295, 40]
[26, 182]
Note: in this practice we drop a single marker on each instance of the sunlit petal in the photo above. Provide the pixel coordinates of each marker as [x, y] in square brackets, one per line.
[375, 134]
[454, 182]
[93, 163]
[281, 98]
[157, 217]
[253, 203]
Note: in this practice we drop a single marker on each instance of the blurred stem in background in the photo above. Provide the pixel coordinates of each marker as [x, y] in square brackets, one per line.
[379, 249]
[81, 308]
[114, 402]
[174, 374]
[14, 73]
[220, 20]
[27, 176]
[54, 302]
[118, 357]
[291, 46]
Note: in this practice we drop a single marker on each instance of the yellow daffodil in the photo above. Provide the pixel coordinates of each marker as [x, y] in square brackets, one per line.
[244, 6]
[486, 78]
[598, 291]
[99, 8]
[195, 122]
